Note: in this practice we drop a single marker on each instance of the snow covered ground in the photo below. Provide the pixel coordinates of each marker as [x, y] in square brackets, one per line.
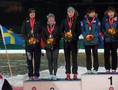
[19, 79]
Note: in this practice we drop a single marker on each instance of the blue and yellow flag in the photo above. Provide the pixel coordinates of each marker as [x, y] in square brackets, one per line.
[10, 37]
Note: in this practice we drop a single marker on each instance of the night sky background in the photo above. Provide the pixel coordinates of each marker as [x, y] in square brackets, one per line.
[13, 12]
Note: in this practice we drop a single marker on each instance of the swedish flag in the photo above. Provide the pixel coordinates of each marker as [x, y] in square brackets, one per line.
[10, 37]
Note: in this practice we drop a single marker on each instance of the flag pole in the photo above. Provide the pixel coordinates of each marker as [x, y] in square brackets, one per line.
[8, 60]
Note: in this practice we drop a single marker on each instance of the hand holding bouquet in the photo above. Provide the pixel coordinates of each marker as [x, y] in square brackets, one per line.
[68, 36]
[112, 31]
[89, 37]
[50, 41]
[32, 41]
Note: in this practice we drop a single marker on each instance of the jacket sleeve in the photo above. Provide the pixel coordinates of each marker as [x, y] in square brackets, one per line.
[56, 34]
[39, 33]
[44, 35]
[103, 25]
[78, 28]
[62, 27]
[104, 30]
[98, 26]
[117, 23]
[99, 30]
[82, 29]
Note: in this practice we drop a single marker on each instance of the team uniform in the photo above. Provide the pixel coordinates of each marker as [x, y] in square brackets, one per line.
[110, 41]
[90, 28]
[51, 37]
[32, 34]
[70, 33]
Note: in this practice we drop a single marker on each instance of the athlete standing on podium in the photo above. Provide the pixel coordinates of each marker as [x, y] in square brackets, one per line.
[70, 33]
[110, 30]
[32, 34]
[90, 26]
[51, 37]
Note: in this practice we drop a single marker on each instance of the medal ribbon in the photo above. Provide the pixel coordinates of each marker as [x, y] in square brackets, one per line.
[32, 22]
[111, 20]
[70, 22]
[90, 23]
[50, 29]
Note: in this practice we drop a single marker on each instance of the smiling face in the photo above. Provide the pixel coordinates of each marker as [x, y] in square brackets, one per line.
[111, 13]
[51, 20]
[32, 14]
[71, 13]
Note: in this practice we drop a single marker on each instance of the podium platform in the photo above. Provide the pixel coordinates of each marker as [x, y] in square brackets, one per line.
[99, 81]
[52, 85]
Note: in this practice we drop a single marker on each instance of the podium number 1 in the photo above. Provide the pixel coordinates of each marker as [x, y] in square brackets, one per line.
[110, 78]
[111, 83]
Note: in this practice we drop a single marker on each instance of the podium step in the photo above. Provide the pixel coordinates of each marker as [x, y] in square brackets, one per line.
[52, 85]
[100, 81]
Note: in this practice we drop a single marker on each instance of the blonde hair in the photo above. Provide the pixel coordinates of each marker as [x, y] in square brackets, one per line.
[50, 15]
[70, 8]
